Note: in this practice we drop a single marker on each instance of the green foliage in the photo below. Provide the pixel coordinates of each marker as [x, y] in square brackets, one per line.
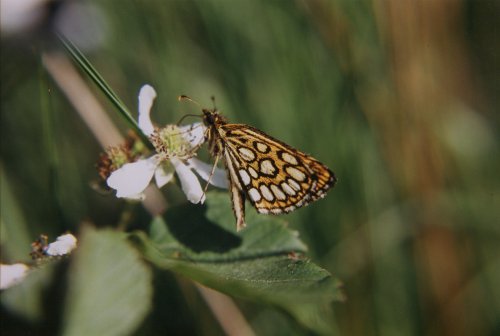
[263, 263]
[110, 288]
[13, 225]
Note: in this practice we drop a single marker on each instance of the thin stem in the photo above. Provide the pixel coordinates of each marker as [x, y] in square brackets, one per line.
[87, 67]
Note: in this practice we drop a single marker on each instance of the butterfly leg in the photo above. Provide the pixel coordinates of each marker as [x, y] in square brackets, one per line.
[210, 176]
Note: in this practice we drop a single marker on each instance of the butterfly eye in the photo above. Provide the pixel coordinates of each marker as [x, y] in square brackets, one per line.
[209, 117]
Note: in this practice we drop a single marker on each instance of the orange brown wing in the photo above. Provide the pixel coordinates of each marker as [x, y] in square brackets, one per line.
[276, 178]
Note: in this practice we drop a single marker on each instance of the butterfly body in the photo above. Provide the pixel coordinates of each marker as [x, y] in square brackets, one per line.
[275, 177]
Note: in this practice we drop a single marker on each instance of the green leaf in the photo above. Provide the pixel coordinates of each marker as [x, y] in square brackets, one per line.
[262, 263]
[110, 288]
[211, 236]
[14, 232]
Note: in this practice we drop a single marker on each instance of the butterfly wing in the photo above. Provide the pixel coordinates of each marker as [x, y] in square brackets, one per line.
[276, 178]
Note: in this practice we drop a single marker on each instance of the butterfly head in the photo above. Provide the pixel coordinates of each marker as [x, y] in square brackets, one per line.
[213, 118]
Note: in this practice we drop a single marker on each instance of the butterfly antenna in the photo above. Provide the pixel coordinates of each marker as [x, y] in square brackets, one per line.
[188, 115]
[213, 102]
[184, 97]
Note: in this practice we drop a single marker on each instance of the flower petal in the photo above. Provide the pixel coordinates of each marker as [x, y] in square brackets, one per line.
[146, 98]
[218, 179]
[163, 175]
[189, 182]
[194, 133]
[63, 245]
[12, 274]
[131, 179]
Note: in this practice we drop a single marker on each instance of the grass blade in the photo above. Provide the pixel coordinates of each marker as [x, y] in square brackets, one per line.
[87, 67]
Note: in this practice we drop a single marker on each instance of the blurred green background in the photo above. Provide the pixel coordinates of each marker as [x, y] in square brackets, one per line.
[398, 98]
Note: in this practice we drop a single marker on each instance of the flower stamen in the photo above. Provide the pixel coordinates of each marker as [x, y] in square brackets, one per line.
[169, 142]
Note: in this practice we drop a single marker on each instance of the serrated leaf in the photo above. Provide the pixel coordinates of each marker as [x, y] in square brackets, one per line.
[110, 288]
[262, 263]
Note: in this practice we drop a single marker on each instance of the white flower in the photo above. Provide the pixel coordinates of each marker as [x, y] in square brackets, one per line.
[12, 274]
[63, 245]
[175, 147]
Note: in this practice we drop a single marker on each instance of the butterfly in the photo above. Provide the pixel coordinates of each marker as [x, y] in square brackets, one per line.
[275, 177]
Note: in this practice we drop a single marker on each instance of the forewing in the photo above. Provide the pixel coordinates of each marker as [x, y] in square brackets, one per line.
[276, 177]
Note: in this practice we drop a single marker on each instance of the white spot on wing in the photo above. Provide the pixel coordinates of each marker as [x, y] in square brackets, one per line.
[246, 154]
[252, 172]
[289, 190]
[261, 147]
[267, 167]
[289, 158]
[245, 177]
[295, 173]
[278, 192]
[266, 193]
[294, 184]
[254, 194]
[263, 211]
